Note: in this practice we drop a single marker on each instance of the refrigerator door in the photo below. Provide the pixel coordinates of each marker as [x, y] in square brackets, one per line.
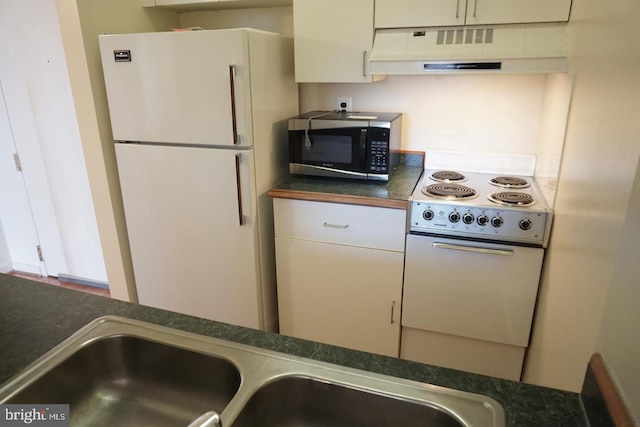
[178, 87]
[184, 213]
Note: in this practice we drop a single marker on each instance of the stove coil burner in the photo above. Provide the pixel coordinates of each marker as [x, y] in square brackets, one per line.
[512, 198]
[447, 176]
[449, 191]
[509, 182]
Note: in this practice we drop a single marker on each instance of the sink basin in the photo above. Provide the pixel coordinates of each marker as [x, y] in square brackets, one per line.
[122, 372]
[309, 402]
[129, 381]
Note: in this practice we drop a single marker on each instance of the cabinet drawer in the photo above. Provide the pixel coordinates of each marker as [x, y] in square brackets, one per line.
[365, 226]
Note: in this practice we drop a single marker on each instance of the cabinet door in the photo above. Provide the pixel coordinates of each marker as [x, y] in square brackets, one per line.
[517, 11]
[419, 13]
[332, 40]
[340, 295]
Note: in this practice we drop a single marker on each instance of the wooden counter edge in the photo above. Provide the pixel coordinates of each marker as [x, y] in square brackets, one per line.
[615, 405]
[338, 198]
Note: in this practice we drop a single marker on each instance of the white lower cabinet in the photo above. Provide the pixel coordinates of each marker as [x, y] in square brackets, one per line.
[333, 287]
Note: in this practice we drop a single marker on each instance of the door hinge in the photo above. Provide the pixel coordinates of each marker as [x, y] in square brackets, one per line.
[39, 250]
[16, 160]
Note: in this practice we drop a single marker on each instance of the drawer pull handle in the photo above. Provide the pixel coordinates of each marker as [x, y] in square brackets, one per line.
[343, 226]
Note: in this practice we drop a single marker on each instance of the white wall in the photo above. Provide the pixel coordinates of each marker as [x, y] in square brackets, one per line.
[274, 19]
[555, 109]
[43, 114]
[81, 21]
[5, 255]
[476, 113]
[598, 167]
[618, 339]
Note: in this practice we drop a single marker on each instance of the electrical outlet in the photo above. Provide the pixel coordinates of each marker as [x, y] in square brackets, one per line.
[344, 103]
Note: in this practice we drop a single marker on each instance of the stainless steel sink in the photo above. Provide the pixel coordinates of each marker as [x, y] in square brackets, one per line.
[129, 381]
[300, 401]
[118, 371]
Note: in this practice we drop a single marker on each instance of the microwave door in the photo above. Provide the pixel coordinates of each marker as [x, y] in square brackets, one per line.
[329, 152]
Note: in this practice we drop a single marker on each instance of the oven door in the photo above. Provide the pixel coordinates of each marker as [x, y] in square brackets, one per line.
[471, 289]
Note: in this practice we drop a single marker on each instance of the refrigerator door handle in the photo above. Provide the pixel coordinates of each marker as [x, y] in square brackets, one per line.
[232, 84]
[241, 217]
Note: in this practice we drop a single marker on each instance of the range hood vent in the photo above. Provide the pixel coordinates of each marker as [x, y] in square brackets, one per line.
[525, 48]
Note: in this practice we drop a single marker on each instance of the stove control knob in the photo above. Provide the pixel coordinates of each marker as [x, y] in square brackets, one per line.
[497, 221]
[525, 224]
[428, 215]
[454, 216]
[468, 218]
[482, 220]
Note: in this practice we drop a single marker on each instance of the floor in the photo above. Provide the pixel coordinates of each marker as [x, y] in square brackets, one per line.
[55, 282]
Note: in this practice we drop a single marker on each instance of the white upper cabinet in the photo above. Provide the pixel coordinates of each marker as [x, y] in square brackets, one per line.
[333, 39]
[429, 13]
[419, 13]
[516, 11]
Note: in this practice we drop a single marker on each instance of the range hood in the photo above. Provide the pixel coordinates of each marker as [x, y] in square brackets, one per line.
[522, 48]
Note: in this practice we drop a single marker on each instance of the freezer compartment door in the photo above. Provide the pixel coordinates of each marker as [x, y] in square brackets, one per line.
[178, 87]
[192, 242]
[471, 289]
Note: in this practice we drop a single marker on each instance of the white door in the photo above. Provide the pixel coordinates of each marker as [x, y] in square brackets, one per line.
[28, 211]
[191, 232]
[15, 210]
[204, 81]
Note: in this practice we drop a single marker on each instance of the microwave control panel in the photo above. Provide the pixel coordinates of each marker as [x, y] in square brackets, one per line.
[379, 157]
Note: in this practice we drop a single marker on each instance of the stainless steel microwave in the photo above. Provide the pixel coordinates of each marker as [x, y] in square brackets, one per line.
[345, 144]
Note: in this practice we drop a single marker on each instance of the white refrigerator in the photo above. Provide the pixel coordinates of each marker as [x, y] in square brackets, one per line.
[200, 124]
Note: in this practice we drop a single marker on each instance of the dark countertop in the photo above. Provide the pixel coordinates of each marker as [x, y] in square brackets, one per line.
[391, 194]
[35, 317]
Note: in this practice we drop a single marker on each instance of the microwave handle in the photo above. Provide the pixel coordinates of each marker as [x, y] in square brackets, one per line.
[363, 146]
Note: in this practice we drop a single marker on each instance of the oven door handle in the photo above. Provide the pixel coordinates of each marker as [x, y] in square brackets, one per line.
[503, 252]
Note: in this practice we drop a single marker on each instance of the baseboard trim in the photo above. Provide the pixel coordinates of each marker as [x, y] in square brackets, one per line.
[82, 281]
[6, 268]
[26, 268]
